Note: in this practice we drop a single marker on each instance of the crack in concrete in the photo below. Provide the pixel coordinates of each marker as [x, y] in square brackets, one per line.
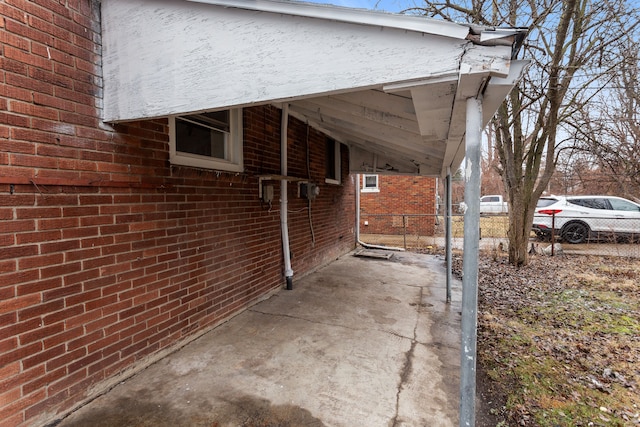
[337, 325]
[288, 316]
[407, 367]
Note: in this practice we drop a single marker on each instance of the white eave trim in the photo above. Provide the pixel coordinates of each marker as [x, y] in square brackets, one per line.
[408, 85]
[498, 33]
[350, 15]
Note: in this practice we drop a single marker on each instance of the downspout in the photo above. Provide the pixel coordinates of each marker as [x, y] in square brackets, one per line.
[358, 209]
[284, 202]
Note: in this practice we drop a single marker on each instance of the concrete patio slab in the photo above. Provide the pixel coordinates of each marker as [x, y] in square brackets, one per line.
[360, 342]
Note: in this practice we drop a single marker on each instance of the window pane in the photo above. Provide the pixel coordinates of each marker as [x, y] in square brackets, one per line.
[545, 202]
[218, 120]
[599, 204]
[623, 205]
[590, 203]
[371, 181]
[578, 202]
[194, 139]
[218, 145]
[331, 159]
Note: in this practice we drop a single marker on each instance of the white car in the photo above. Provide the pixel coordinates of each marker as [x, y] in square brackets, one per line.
[493, 204]
[576, 219]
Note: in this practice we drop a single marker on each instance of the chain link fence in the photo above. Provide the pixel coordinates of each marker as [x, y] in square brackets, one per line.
[425, 232]
[616, 236]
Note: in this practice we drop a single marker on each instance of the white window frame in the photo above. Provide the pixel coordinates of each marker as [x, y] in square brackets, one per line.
[233, 149]
[337, 166]
[366, 189]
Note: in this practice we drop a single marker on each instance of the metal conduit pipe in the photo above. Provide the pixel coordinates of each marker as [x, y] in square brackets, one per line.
[284, 201]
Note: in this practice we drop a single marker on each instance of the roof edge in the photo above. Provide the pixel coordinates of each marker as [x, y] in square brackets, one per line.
[349, 15]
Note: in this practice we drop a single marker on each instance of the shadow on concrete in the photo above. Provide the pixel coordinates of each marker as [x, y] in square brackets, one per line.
[246, 411]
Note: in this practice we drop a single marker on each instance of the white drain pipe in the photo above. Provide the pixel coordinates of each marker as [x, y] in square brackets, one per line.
[284, 202]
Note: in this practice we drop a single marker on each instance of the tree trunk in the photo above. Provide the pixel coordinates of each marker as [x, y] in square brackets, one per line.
[520, 218]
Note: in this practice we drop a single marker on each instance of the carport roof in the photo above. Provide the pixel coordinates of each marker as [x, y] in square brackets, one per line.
[392, 87]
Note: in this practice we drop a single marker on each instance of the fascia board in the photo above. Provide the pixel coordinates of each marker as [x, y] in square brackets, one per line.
[494, 60]
[349, 15]
[399, 87]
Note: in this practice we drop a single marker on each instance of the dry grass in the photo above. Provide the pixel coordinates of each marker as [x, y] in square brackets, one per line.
[561, 339]
[490, 226]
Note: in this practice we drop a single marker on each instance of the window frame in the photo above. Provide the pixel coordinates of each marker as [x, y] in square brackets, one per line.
[233, 161]
[366, 189]
[337, 179]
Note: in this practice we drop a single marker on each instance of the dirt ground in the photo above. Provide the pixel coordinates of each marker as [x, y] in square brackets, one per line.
[558, 341]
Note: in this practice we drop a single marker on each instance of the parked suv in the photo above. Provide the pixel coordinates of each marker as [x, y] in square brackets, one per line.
[580, 218]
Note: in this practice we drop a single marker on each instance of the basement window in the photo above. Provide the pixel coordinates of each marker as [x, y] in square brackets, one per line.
[332, 154]
[207, 140]
[370, 184]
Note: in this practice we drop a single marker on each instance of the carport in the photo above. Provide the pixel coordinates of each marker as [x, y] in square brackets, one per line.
[361, 342]
[407, 95]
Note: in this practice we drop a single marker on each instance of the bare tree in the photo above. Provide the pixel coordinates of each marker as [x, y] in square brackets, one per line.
[491, 177]
[608, 134]
[573, 45]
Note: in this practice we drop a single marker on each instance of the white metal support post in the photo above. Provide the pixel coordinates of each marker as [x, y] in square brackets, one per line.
[447, 233]
[470, 262]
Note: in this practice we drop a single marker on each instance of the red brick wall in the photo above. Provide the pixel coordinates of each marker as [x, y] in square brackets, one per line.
[412, 196]
[108, 254]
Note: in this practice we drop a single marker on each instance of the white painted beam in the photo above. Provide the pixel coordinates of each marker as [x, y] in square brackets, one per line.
[393, 138]
[366, 114]
[429, 156]
[433, 104]
[378, 122]
[401, 105]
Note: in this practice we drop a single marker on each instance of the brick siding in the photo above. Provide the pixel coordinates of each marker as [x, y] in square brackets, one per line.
[411, 196]
[108, 254]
